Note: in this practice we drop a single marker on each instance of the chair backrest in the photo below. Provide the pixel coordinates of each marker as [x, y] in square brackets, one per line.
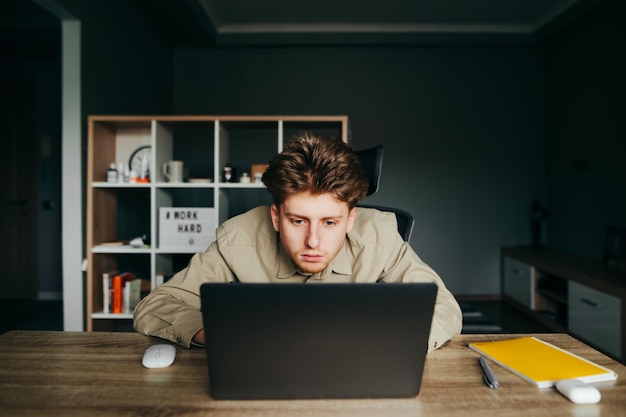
[404, 219]
[372, 162]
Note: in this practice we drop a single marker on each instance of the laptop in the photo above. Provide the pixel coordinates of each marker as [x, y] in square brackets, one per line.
[305, 341]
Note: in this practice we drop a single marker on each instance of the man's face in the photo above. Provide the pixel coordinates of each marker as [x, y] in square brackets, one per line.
[312, 228]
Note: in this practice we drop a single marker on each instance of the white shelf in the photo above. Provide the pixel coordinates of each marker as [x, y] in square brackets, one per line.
[119, 249]
[240, 185]
[178, 251]
[101, 184]
[111, 316]
[104, 184]
[185, 185]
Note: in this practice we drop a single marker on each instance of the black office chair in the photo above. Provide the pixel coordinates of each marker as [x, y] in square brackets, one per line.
[404, 218]
[372, 162]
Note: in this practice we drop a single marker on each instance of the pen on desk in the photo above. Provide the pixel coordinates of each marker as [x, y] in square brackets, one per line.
[488, 376]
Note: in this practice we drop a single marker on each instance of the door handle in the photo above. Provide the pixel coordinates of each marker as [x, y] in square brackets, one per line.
[591, 303]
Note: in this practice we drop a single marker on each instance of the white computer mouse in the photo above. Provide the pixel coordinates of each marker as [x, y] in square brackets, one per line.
[159, 356]
[578, 392]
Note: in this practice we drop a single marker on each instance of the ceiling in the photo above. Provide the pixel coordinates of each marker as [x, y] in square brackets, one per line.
[26, 28]
[199, 23]
[27, 31]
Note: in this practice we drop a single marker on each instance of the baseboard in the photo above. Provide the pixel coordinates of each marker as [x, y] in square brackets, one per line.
[478, 297]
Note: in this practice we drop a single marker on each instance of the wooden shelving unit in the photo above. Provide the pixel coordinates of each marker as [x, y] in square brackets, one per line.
[122, 211]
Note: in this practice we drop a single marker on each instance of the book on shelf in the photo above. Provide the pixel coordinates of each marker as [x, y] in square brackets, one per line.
[119, 281]
[145, 288]
[131, 295]
[107, 290]
[121, 292]
[163, 277]
[540, 362]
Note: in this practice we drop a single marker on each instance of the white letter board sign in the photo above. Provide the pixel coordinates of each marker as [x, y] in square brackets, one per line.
[186, 227]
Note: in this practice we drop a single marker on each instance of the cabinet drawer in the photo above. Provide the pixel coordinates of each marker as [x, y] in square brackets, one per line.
[595, 316]
[518, 282]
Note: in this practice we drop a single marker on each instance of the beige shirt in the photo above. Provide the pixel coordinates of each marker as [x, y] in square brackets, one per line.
[247, 249]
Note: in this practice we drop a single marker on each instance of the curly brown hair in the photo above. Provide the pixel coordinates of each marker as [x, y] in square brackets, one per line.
[310, 163]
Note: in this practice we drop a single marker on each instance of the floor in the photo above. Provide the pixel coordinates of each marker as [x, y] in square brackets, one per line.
[478, 317]
[496, 317]
[30, 315]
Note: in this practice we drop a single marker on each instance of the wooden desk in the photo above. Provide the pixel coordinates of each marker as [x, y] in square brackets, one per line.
[100, 374]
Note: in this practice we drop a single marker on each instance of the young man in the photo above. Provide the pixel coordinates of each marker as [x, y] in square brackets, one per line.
[312, 233]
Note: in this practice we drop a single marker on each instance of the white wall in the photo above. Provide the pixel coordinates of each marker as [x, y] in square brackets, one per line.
[72, 184]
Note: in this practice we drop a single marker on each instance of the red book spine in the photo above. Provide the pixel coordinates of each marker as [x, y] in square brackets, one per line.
[118, 291]
[117, 294]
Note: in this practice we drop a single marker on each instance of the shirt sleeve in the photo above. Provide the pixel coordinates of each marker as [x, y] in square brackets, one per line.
[447, 317]
[171, 311]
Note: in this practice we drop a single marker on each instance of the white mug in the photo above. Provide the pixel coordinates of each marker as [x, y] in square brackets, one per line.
[173, 171]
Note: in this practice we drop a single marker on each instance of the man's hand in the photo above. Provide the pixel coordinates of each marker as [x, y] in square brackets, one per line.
[198, 338]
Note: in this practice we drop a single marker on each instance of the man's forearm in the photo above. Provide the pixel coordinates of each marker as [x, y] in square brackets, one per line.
[198, 338]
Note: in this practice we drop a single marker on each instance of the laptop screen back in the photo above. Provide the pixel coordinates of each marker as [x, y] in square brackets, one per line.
[289, 341]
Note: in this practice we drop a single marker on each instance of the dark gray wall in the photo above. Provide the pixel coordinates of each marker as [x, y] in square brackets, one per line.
[472, 134]
[41, 70]
[462, 127]
[586, 102]
[126, 69]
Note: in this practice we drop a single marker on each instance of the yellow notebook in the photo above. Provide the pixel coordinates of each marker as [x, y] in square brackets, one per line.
[540, 362]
